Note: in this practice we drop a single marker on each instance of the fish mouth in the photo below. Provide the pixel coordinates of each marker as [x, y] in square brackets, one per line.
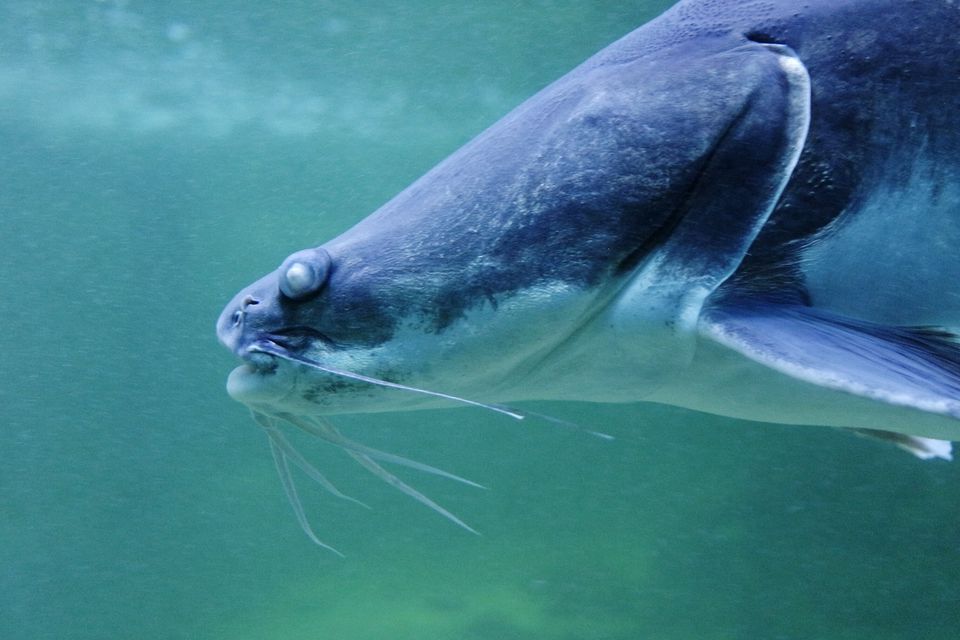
[292, 340]
[258, 378]
[263, 355]
[261, 376]
[259, 362]
[256, 381]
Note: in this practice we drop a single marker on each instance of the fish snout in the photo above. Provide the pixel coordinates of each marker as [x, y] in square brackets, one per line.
[270, 304]
[244, 319]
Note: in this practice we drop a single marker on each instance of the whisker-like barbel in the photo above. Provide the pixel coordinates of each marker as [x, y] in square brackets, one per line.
[272, 349]
[286, 479]
[280, 441]
[323, 429]
[367, 457]
[284, 453]
[368, 463]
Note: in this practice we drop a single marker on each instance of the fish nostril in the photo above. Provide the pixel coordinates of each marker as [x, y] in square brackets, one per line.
[237, 316]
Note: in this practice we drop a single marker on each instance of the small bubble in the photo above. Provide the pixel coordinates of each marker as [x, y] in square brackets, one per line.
[178, 32]
[334, 26]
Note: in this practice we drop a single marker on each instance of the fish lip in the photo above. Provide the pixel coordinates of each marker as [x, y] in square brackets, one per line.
[260, 379]
[260, 355]
[259, 361]
[256, 356]
[297, 339]
[293, 340]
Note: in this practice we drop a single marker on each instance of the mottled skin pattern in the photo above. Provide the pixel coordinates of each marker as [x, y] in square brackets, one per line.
[594, 174]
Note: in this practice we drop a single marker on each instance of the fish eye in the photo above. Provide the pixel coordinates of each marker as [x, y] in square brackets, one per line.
[304, 273]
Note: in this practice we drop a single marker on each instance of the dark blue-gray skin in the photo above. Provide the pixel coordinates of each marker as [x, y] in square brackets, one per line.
[744, 208]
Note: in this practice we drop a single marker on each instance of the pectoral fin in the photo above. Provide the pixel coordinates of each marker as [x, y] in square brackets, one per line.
[923, 448]
[900, 366]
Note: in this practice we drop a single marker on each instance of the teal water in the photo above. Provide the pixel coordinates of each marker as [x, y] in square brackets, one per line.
[159, 156]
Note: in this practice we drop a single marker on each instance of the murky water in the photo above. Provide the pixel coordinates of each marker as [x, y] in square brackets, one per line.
[159, 156]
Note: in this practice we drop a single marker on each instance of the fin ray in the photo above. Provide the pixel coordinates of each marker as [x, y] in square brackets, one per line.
[901, 366]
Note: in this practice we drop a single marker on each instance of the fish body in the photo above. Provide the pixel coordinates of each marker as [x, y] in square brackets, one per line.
[745, 208]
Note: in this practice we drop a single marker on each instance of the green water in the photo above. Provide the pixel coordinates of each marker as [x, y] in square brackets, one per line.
[157, 157]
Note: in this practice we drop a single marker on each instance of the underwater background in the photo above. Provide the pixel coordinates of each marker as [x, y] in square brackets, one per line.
[158, 156]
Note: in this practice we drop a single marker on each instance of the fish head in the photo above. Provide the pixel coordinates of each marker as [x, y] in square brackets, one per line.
[566, 252]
